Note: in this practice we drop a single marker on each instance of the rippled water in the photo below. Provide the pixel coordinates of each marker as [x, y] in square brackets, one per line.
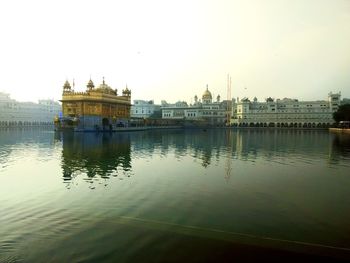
[172, 195]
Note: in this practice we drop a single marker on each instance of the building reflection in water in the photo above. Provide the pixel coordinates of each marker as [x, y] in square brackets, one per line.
[105, 155]
[228, 164]
[340, 147]
[212, 145]
[196, 144]
[96, 155]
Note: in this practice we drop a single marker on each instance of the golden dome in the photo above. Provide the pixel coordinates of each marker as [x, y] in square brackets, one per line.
[206, 95]
[104, 88]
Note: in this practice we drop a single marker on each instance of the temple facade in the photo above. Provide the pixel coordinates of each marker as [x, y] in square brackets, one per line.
[97, 108]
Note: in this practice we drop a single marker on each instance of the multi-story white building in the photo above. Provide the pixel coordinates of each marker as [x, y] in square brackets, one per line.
[205, 110]
[143, 108]
[285, 112]
[14, 113]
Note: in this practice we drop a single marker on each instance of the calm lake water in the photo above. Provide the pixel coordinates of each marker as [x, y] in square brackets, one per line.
[173, 195]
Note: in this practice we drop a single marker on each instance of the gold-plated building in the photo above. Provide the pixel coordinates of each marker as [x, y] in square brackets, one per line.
[98, 108]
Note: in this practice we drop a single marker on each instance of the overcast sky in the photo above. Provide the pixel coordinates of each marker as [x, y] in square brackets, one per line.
[172, 49]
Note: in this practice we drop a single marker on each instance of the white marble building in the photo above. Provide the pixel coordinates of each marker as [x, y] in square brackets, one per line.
[285, 112]
[14, 113]
[143, 108]
[205, 110]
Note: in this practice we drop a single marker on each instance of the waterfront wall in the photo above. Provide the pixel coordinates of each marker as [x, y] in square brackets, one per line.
[285, 125]
[25, 123]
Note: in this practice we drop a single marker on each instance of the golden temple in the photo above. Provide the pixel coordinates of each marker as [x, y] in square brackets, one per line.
[98, 108]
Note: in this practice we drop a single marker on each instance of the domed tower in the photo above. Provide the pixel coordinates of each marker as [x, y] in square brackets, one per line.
[67, 87]
[90, 85]
[207, 98]
[218, 98]
[126, 92]
[196, 99]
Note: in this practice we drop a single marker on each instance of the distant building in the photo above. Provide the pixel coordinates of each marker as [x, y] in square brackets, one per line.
[285, 112]
[205, 111]
[15, 113]
[98, 108]
[144, 109]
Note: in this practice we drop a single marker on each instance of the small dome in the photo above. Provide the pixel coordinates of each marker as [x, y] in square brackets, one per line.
[67, 85]
[126, 92]
[90, 85]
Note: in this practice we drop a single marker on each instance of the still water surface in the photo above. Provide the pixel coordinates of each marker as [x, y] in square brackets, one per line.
[157, 195]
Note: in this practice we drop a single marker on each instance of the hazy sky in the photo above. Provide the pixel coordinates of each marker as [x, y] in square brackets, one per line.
[171, 49]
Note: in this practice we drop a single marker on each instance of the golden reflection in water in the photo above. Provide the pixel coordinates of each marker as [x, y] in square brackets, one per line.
[95, 154]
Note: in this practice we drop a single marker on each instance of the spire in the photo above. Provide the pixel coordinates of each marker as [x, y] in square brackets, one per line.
[103, 80]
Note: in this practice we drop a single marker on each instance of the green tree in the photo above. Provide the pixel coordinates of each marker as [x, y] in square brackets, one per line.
[342, 114]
